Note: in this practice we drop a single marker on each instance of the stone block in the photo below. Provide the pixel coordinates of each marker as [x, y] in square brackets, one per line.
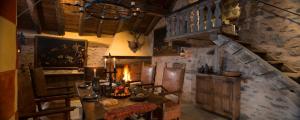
[260, 67]
[221, 40]
[232, 47]
[245, 56]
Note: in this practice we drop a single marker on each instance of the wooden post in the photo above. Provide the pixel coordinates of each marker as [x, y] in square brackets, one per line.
[99, 29]
[177, 24]
[208, 16]
[34, 15]
[60, 18]
[168, 26]
[195, 20]
[188, 21]
[201, 17]
[218, 21]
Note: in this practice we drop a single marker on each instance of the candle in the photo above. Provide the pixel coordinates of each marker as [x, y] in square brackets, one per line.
[95, 72]
[105, 62]
[114, 62]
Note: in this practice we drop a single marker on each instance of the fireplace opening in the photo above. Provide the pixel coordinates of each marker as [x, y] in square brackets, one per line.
[129, 68]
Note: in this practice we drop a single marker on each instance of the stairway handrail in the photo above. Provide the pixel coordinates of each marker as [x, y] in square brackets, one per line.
[278, 7]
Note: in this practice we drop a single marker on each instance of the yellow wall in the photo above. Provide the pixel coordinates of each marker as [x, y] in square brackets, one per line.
[119, 46]
[8, 51]
[7, 45]
[105, 39]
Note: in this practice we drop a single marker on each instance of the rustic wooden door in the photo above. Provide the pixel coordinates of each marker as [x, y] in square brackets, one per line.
[205, 97]
[223, 94]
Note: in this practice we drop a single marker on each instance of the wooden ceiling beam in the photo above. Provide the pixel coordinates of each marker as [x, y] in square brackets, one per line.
[34, 15]
[152, 25]
[120, 25]
[99, 29]
[135, 26]
[81, 23]
[60, 18]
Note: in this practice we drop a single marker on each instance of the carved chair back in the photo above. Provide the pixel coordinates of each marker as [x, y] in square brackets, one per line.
[148, 74]
[173, 79]
[26, 102]
[39, 82]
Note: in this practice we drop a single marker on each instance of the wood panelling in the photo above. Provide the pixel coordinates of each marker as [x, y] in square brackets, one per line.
[7, 92]
[219, 94]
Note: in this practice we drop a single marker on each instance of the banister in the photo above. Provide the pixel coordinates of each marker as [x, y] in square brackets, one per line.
[277, 7]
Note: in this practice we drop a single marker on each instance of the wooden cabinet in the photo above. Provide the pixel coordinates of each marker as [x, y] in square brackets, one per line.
[219, 94]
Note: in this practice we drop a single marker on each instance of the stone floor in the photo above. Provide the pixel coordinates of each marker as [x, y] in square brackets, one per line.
[190, 112]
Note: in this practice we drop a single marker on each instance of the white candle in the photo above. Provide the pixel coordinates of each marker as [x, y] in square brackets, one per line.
[95, 72]
[114, 62]
[105, 62]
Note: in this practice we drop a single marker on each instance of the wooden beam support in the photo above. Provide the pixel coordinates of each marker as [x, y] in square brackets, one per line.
[34, 15]
[136, 23]
[152, 25]
[60, 18]
[81, 23]
[99, 29]
[120, 25]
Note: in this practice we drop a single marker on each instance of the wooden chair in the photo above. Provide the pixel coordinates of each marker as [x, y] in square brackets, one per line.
[42, 91]
[172, 84]
[27, 102]
[148, 76]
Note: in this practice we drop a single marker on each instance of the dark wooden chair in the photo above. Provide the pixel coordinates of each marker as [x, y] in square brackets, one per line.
[42, 91]
[27, 102]
[172, 84]
[148, 76]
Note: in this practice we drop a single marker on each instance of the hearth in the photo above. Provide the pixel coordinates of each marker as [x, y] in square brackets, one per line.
[129, 67]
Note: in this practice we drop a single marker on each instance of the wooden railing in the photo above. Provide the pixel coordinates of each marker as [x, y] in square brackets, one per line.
[200, 17]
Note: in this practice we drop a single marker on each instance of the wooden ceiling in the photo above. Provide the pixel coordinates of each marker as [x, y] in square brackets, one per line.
[51, 16]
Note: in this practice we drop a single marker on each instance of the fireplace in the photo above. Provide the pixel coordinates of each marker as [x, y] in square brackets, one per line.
[129, 68]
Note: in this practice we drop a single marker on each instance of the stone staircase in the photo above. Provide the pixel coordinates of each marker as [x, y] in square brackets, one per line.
[281, 66]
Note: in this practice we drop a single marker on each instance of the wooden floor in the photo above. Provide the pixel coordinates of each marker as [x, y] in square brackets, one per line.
[190, 112]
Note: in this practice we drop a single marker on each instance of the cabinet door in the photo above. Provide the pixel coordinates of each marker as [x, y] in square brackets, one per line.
[204, 93]
[223, 96]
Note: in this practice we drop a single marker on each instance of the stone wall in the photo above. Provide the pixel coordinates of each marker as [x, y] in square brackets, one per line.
[194, 58]
[266, 94]
[271, 29]
[95, 52]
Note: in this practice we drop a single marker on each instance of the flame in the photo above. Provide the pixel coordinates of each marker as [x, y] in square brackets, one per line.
[126, 74]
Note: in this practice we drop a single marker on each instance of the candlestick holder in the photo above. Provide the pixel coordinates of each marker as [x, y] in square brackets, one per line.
[111, 73]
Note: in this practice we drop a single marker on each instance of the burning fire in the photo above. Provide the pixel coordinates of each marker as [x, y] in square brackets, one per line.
[126, 74]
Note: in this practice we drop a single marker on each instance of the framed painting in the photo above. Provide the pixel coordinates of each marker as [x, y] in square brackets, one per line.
[52, 52]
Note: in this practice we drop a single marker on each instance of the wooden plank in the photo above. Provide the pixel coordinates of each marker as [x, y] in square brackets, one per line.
[60, 18]
[99, 29]
[120, 25]
[136, 23]
[152, 25]
[7, 92]
[34, 15]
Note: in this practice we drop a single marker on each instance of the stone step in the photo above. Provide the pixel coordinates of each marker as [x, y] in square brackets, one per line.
[246, 44]
[294, 76]
[259, 52]
[277, 64]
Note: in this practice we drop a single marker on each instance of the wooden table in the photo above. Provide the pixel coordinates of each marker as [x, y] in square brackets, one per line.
[96, 111]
